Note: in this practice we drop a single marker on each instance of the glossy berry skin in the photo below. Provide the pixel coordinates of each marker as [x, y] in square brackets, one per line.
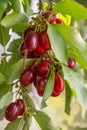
[27, 77]
[44, 67]
[23, 50]
[21, 106]
[58, 85]
[12, 112]
[71, 63]
[44, 40]
[41, 86]
[36, 80]
[58, 21]
[39, 51]
[32, 41]
[55, 20]
[27, 31]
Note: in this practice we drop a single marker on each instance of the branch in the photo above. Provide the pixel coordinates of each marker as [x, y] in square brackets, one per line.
[41, 5]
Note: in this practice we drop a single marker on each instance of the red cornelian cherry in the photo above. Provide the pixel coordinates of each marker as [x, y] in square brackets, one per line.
[36, 80]
[12, 112]
[41, 86]
[58, 21]
[32, 41]
[21, 106]
[44, 67]
[44, 40]
[39, 51]
[27, 77]
[71, 63]
[27, 31]
[58, 86]
[55, 20]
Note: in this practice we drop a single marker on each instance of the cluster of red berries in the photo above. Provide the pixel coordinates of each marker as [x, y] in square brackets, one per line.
[38, 75]
[14, 110]
[35, 43]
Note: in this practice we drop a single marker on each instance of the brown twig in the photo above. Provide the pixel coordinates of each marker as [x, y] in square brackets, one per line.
[41, 5]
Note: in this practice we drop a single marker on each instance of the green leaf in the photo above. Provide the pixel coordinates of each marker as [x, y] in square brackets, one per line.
[2, 113]
[3, 6]
[77, 86]
[3, 89]
[4, 35]
[2, 78]
[13, 18]
[20, 27]
[28, 121]
[16, 5]
[48, 89]
[26, 5]
[15, 45]
[43, 120]
[73, 38]
[71, 8]
[15, 58]
[16, 69]
[58, 44]
[18, 124]
[6, 99]
[5, 69]
[68, 99]
[29, 102]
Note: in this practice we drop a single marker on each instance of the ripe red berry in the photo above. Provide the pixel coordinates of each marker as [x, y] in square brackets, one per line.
[44, 41]
[52, 19]
[21, 106]
[55, 20]
[58, 21]
[44, 67]
[36, 80]
[39, 51]
[27, 31]
[46, 14]
[23, 50]
[41, 86]
[32, 41]
[12, 112]
[71, 63]
[58, 86]
[27, 77]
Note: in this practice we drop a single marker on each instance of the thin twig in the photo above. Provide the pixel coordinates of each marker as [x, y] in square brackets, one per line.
[41, 5]
[51, 4]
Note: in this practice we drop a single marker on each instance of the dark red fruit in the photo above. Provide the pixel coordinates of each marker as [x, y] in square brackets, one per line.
[71, 63]
[27, 77]
[23, 50]
[46, 14]
[21, 106]
[36, 80]
[55, 20]
[44, 41]
[12, 112]
[27, 31]
[58, 21]
[44, 67]
[41, 86]
[32, 41]
[39, 51]
[52, 19]
[58, 86]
